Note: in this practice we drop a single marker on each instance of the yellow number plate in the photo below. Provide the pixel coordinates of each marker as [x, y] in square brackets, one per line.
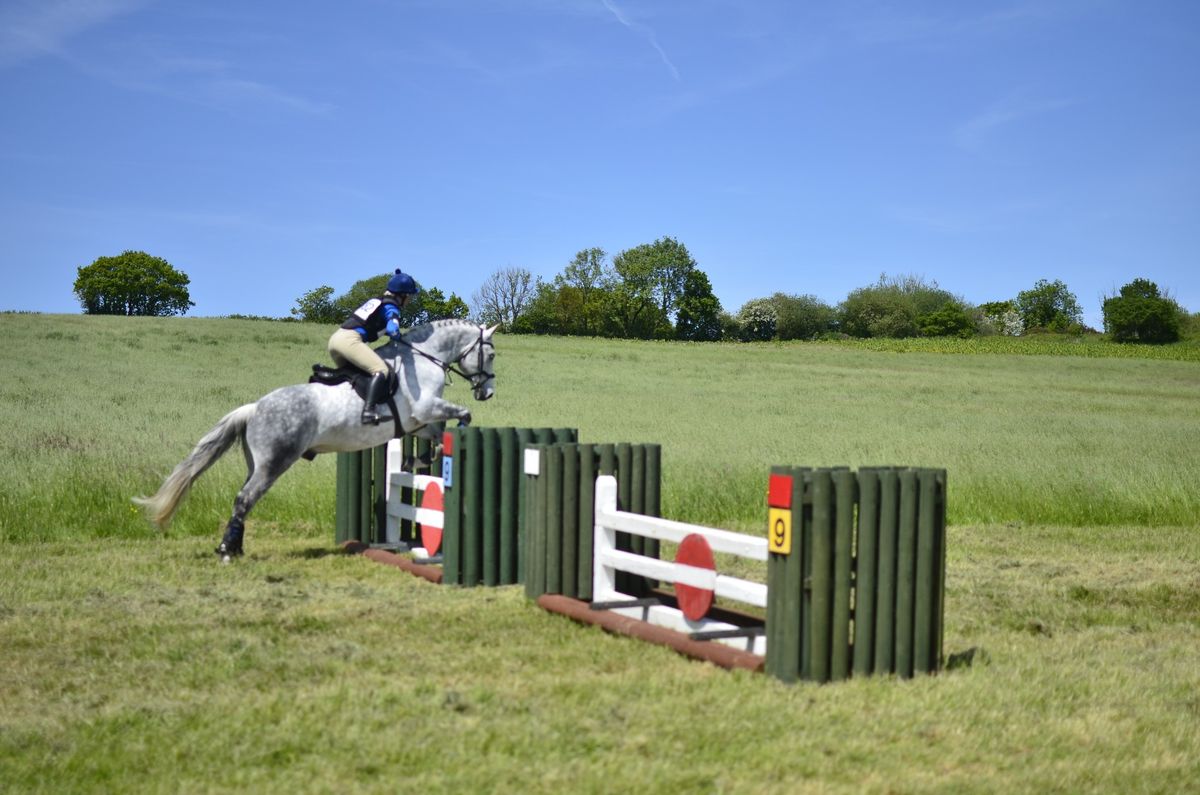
[779, 531]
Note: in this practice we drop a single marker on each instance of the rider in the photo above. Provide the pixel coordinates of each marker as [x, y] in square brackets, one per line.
[348, 345]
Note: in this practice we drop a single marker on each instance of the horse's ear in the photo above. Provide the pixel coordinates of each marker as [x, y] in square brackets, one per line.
[488, 334]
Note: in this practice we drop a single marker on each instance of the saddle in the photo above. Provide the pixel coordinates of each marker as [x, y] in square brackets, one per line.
[332, 376]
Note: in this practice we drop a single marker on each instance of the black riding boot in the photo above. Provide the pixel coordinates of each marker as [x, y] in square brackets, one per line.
[376, 391]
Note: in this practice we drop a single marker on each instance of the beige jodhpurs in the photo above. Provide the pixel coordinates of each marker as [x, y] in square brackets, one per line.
[346, 346]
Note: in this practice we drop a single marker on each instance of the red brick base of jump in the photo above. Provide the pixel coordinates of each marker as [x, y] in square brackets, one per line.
[715, 653]
[431, 573]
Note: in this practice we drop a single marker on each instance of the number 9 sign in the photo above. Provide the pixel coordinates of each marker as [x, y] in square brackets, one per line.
[779, 531]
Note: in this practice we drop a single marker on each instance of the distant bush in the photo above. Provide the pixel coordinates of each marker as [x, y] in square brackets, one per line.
[757, 320]
[1140, 314]
[802, 317]
[1189, 327]
[1000, 317]
[263, 317]
[1050, 306]
[951, 320]
[893, 307]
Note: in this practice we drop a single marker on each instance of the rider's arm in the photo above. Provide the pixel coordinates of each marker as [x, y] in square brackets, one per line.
[392, 326]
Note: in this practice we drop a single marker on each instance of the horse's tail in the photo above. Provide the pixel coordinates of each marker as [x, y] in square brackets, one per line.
[161, 507]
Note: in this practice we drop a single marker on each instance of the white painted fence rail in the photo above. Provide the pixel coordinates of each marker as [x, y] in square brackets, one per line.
[395, 477]
[608, 560]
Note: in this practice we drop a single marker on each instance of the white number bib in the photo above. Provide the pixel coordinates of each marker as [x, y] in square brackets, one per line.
[364, 311]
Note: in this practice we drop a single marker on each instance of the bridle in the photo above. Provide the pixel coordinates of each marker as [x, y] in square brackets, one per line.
[476, 379]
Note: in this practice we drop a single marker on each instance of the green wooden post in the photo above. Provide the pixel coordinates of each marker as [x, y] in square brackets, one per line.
[379, 493]
[453, 507]
[510, 484]
[845, 496]
[341, 504]
[653, 506]
[906, 553]
[530, 544]
[489, 441]
[366, 509]
[524, 501]
[637, 490]
[472, 502]
[569, 562]
[885, 590]
[941, 563]
[866, 566]
[354, 501]
[928, 580]
[820, 634]
[608, 460]
[784, 586]
[586, 506]
[552, 460]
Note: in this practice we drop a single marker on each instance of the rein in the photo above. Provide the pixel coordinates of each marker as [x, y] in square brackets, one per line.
[477, 380]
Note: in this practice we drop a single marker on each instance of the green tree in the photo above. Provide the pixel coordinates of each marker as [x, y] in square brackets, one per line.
[659, 270]
[318, 306]
[1050, 306]
[584, 287]
[132, 283]
[652, 277]
[1140, 314]
[951, 320]
[757, 321]
[556, 309]
[1001, 317]
[436, 306]
[698, 312]
[802, 317]
[891, 307]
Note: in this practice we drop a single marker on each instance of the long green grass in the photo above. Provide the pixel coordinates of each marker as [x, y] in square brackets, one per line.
[99, 409]
[134, 661]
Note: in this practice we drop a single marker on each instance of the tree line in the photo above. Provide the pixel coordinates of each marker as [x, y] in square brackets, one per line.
[657, 291]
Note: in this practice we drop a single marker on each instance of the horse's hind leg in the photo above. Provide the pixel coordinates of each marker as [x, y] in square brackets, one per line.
[261, 479]
[272, 443]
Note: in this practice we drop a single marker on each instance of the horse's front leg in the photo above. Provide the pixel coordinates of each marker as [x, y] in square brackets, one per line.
[438, 410]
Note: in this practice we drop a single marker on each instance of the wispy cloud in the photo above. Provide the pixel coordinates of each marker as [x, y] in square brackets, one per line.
[53, 28]
[973, 133]
[43, 27]
[645, 32]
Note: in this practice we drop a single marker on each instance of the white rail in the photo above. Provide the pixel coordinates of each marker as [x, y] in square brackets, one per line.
[608, 560]
[397, 478]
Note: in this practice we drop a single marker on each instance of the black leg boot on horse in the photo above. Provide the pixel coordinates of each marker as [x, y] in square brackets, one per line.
[376, 392]
[231, 545]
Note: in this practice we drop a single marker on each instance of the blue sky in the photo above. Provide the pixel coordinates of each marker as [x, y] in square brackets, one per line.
[266, 148]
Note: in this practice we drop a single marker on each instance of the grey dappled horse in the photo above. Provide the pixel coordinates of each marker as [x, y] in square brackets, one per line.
[280, 427]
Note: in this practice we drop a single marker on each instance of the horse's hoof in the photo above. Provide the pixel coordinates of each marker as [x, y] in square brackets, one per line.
[228, 552]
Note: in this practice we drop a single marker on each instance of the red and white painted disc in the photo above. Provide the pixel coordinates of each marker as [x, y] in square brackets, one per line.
[694, 551]
[431, 537]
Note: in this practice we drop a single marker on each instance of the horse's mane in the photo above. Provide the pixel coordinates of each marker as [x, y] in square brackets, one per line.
[425, 330]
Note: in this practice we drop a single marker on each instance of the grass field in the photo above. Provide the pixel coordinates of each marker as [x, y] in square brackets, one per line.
[132, 661]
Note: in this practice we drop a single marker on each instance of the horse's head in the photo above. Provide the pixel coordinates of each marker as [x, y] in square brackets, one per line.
[477, 364]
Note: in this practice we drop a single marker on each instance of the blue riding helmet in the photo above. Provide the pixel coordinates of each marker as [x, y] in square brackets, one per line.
[402, 283]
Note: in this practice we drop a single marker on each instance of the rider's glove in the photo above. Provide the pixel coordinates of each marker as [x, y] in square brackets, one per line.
[393, 328]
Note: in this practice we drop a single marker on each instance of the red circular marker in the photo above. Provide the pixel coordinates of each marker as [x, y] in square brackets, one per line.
[431, 500]
[694, 551]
